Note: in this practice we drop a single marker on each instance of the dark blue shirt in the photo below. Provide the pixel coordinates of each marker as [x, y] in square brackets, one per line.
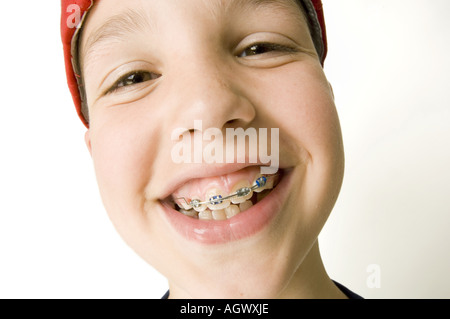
[350, 294]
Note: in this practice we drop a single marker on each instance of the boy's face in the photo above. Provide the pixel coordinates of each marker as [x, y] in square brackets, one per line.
[152, 66]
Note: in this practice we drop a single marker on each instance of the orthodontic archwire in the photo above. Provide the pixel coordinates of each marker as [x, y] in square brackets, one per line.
[241, 192]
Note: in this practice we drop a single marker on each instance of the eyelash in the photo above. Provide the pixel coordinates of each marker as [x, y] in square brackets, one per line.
[252, 50]
[267, 48]
[130, 77]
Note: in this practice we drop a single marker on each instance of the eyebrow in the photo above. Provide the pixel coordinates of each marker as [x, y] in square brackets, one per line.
[117, 27]
[132, 21]
[255, 4]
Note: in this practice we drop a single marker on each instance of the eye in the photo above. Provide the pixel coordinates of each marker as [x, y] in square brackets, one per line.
[263, 48]
[133, 78]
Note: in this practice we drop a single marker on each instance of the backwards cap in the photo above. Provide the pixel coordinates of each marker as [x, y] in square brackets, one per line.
[73, 12]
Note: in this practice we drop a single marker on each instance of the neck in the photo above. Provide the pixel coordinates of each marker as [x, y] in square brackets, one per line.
[311, 280]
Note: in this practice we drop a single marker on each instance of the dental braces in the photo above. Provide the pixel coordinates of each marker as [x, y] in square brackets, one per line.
[218, 199]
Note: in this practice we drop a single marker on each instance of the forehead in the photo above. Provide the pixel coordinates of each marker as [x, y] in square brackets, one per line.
[115, 19]
[105, 9]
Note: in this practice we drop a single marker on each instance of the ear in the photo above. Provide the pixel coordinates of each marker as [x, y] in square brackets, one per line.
[87, 140]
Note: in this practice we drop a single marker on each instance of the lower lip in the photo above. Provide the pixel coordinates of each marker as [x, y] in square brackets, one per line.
[243, 225]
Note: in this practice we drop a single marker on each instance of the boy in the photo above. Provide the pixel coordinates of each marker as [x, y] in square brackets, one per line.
[140, 70]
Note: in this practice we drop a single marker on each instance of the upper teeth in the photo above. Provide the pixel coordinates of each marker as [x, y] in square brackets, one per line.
[217, 201]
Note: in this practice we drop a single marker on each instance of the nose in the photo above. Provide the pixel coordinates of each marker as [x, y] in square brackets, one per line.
[208, 90]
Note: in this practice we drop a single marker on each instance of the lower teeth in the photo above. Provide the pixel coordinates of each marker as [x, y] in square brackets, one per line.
[227, 213]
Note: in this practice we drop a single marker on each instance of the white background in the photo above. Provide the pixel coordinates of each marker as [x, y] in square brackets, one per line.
[388, 64]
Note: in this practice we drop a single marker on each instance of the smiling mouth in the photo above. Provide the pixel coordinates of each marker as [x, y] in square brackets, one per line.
[213, 220]
[213, 203]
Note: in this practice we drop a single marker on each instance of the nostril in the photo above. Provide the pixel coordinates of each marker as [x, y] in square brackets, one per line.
[231, 122]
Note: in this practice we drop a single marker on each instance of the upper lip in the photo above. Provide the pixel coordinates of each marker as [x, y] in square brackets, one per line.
[201, 171]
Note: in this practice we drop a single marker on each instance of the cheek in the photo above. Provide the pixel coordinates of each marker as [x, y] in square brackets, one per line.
[300, 101]
[123, 160]
[308, 120]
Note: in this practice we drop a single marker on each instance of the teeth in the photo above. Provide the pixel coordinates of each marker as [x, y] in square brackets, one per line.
[270, 182]
[183, 205]
[260, 189]
[190, 213]
[240, 185]
[198, 208]
[217, 208]
[232, 211]
[219, 214]
[245, 205]
[205, 215]
[215, 197]
[260, 196]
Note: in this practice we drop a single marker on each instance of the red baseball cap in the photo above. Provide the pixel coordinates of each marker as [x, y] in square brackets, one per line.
[74, 11]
